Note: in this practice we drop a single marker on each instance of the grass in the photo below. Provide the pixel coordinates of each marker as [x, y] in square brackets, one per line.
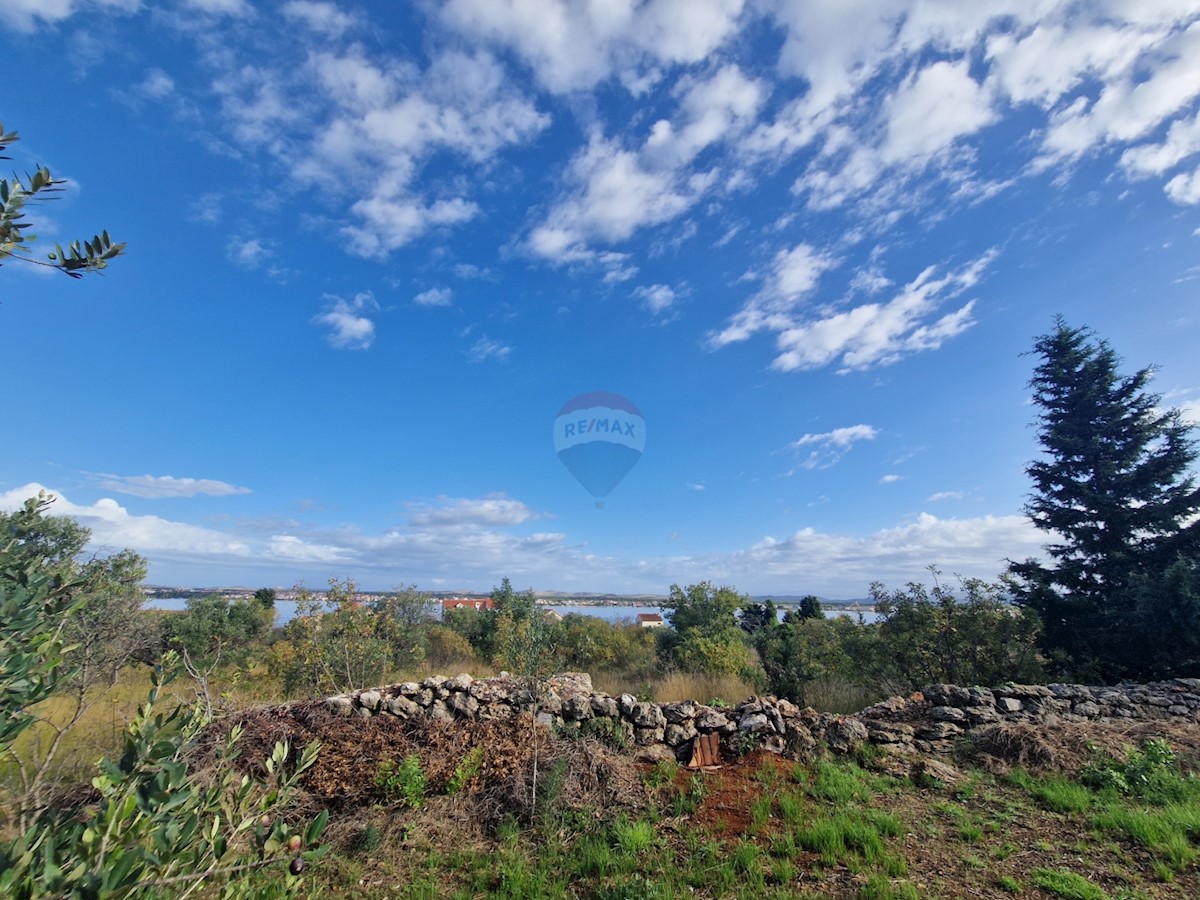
[1065, 884]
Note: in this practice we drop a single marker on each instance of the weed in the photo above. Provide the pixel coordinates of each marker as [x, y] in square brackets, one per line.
[1067, 885]
[633, 837]
[662, 774]
[686, 802]
[369, 839]
[467, 769]
[791, 808]
[760, 811]
[404, 782]
[1166, 832]
[969, 832]
[605, 730]
[839, 783]
[1008, 884]
[878, 887]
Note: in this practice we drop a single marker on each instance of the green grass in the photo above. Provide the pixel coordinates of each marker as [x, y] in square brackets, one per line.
[1170, 833]
[1067, 885]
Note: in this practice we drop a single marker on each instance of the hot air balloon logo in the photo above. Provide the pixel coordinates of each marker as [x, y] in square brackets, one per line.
[599, 437]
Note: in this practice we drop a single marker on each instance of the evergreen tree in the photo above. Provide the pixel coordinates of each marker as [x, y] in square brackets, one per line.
[1116, 493]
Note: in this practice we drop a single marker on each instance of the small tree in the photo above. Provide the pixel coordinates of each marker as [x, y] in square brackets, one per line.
[704, 635]
[1116, 494]
[972, 636]
[15, 239]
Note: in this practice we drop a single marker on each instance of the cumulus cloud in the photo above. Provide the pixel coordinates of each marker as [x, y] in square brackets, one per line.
[455, 512]
[467, 541]
[792, 278]
[322, 18]
[826, 448]
[657, 298]
[439, 296]
[485, 348]
[349, 323]
[28, 15]
[158, 486]
[939, 496]
[573, 46]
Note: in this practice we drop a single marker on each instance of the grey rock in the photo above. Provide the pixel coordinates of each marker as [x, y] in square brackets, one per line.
[753, 722]
[572, 683]
[676, 734]
[577, 708]
[439, 712]
[424, 697]
[889, 732]
[433, 681]
[1009, 705]
[402, 707]
[647, 715]
[1087, 709]
[370, 699]
[463, 704]
[1178, 710]
[947, 714]
[711, 720]
[683, 711]
[774, 717]
[546, 719]
[646, 736]
[604, 705]
[939, 731]
[947, 695]
[626, 703]
[409, 688]
[461, 682]
[362, 712]
[843, 735]
[341, 706]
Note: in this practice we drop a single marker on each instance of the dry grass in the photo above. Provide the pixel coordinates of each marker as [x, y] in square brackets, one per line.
[676, 686]
[1069, 747]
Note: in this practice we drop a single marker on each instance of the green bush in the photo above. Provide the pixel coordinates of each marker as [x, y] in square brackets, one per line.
[404, 782]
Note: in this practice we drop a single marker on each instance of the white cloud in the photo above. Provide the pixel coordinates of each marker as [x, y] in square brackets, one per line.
[931, 111]
[890, 478]
[322, 18]
[572, 46]
[455, 512]
[657, 298]
[348, 321]
[696, 486]
[1185, 188]
[485, 348]
[247, 252]
[793, 277]
[830, 446]
[834, 564]
[156, 85]
[219, 7]
[1182, 141]
[864, 336]
[159, 486]
[439, 296]
[945, 495]
[28, 15]
[114, 527]
[469, 542]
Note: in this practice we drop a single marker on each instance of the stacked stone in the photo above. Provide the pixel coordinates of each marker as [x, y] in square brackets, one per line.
[929, 721]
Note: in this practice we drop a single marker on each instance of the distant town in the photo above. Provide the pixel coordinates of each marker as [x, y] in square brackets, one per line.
[546, 598]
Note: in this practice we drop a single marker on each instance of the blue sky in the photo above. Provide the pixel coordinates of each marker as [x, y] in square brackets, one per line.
[374, 248]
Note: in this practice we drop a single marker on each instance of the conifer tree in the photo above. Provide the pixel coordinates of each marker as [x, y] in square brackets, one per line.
[1116, 493]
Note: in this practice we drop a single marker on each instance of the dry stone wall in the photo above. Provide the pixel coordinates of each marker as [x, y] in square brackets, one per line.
[929, 721]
